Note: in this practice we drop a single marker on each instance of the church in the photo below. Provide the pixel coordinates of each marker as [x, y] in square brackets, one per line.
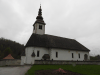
[40, 45]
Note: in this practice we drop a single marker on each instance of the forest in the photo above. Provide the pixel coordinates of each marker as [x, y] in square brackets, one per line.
[10, 47]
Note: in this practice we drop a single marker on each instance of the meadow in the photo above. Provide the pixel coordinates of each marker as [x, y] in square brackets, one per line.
[82, 69]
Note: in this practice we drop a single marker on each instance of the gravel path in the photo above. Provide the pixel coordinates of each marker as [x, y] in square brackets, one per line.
[20, 70]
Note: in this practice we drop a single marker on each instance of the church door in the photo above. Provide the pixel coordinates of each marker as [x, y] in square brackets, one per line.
[85, 57]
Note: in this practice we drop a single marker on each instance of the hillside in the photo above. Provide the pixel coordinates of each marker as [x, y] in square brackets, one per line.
[8, 46]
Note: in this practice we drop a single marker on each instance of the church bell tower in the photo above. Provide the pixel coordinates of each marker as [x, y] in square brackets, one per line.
[39, 25]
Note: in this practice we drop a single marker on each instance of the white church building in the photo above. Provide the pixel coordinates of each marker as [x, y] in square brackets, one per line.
[40, 45]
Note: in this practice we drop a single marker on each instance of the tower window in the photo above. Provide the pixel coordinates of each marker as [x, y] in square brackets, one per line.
[79, 55]
[40, 26]
[37, 53]
[56, 54]
[72, 55]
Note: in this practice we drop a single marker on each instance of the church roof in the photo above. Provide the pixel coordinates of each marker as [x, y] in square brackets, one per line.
[8, 57]
[51, 41]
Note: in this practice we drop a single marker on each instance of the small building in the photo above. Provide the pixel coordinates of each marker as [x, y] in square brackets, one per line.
[52, 47]
[8, 57]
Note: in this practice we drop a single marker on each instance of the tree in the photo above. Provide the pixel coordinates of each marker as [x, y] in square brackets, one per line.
[16, 48]
[7, 51]
[97, 57]
[1, 48]
[0, 54]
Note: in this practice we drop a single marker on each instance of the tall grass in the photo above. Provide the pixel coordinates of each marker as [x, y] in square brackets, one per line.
[82, 69]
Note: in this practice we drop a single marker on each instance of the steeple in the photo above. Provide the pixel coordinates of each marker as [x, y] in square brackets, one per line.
[40, 12]
[39, 25]
[39, 18]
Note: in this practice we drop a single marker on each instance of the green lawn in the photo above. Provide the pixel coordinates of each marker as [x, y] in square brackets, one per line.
[82, 69]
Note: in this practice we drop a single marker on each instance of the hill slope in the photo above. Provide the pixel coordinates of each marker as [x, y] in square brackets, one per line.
[8, 46]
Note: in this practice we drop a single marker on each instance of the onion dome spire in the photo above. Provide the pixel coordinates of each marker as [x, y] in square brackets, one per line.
[39, 14]
[40, 11]
[39, 18]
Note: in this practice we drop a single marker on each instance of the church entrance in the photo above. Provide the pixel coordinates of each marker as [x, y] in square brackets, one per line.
[85, 57]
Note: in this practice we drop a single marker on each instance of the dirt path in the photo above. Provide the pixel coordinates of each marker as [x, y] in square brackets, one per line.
[20, 70]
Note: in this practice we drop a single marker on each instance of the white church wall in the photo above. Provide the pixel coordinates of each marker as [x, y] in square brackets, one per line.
[88, 56]
[67, 54]
[29, 51]
[22, 60]
[33, 60]
[42, 51]
[62, 54]
[82, 53]
[50, 53]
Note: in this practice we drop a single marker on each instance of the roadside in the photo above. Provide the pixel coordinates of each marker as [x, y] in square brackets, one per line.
[14, 70]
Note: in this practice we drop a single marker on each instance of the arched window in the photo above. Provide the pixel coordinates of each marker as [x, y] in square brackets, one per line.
[56, 54]
[37, 53]
[79, 55]
[72, 55]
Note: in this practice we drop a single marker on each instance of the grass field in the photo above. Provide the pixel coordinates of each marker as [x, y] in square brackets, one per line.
[82, 69]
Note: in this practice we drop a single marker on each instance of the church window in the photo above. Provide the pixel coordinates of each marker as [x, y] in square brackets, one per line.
[72, 55]
[37, 53]
[79, 55]
[40, 26]
[56, 54]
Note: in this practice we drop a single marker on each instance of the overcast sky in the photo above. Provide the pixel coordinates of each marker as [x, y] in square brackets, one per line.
[75, 19]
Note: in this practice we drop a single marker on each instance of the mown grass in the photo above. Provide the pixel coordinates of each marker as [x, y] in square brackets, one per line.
[82, 69]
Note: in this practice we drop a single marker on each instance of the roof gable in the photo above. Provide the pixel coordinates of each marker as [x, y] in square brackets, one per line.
[9, 57]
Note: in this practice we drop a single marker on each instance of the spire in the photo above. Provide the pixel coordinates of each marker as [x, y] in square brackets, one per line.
[40, 5]
[40, 11]
[39, 18]
[39, 14]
